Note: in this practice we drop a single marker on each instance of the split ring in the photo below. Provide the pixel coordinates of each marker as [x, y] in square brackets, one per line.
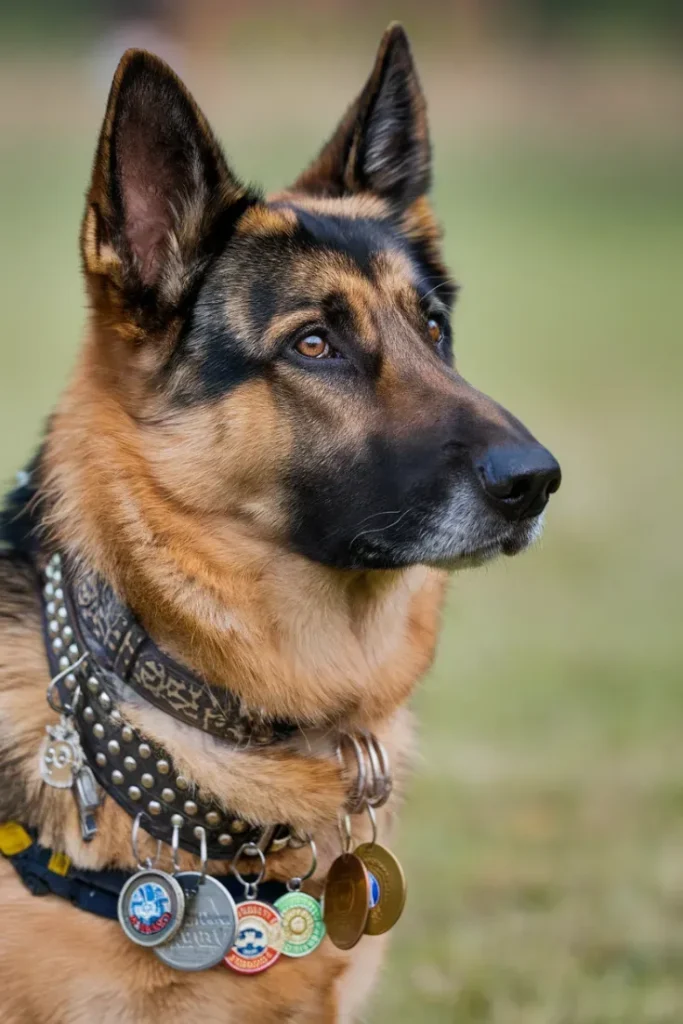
[250, 850]
[294, 884]
[148, 862]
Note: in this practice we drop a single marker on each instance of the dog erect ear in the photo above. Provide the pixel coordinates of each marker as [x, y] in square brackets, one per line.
[160, 188]
[382, 142]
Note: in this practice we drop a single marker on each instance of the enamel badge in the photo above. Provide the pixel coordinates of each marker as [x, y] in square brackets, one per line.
[303, 928]
[259, 938]
[151, 907]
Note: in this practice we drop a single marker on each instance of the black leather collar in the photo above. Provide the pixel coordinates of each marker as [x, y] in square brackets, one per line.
[90, 637]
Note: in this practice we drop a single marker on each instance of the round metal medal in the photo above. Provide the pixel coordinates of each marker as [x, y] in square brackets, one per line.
[151, 907]
[303, 928]
[346, 901]
[209, 926]
[259, 938]
[388, 874]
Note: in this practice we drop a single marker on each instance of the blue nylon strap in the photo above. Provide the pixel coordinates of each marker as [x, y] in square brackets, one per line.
[98, 891]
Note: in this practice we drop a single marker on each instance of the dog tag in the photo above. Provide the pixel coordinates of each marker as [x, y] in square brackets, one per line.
[390, 896]
[88, 799]
[209, 926]
[151, 907]
[303, 928]
[61, 755]
[259, 938]
[346, 901]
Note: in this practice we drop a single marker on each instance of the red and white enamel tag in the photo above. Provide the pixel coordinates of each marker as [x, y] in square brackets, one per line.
[259, 938]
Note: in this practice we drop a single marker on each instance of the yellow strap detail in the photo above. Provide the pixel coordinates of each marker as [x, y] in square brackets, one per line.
[59, 864]
[13, 838]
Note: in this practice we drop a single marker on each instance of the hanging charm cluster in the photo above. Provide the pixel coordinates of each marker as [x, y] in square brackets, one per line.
[365, 891]
[62, 763]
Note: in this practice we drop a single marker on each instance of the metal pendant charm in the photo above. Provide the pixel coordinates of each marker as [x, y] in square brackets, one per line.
[387, 874]
[346, 901]
[209, 926]
[151, 907]
[303, 928]
[88, 798]
[259, 938]
[61, 755]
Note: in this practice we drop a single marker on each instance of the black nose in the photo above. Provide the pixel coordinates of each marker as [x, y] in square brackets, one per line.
[519, 479]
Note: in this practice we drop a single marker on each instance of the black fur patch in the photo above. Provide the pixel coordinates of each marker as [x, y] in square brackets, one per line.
[20, 515]
[358, 238]
[392, 484]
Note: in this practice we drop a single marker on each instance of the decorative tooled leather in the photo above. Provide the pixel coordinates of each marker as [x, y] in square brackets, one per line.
[120, 644]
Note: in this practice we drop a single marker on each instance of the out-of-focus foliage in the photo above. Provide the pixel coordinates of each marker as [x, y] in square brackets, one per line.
[536, 21]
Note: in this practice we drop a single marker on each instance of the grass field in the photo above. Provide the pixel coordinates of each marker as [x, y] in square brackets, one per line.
[543, 832]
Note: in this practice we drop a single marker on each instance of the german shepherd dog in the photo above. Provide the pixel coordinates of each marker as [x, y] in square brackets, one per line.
[266, 452]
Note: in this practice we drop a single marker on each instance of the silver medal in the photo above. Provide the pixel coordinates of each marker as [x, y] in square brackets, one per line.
[151, 907]
[61, 756]
[209, 926]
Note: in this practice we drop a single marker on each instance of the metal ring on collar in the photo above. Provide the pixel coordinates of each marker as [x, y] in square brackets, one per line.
[356, 799]
[175, 845]
[65, 709]
[251, 850]
[294, 884]
[148, 862]
[385, 769]
[200, 832]
[373, 820]
[345, 832]
[377, 794]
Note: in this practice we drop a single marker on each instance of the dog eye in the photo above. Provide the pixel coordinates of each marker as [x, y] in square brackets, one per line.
[435, 331]
[314, 347]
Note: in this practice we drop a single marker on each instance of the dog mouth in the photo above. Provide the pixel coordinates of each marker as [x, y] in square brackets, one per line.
[509, 543]
[453, 543]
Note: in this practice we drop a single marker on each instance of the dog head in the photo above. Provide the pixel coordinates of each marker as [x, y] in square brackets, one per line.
[287, 363]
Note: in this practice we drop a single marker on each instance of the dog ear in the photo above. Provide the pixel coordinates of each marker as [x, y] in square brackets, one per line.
[160, 186]
[382, 142]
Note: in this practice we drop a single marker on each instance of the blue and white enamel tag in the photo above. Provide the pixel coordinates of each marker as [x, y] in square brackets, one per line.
[151, 907]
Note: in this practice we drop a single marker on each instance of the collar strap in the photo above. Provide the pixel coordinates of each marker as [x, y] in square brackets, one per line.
[137, 773]
[119, 644]
[44, 871]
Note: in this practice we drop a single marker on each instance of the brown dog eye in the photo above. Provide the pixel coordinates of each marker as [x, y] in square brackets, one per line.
[314, 347]
[435, 332]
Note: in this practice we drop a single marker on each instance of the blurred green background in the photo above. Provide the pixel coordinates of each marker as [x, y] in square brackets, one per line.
[543, 830]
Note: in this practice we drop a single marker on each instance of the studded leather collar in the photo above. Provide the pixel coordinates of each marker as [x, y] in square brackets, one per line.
[119, 644]
[90, 637]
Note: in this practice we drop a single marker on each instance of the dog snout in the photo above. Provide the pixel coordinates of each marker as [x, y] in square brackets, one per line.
[518, 479]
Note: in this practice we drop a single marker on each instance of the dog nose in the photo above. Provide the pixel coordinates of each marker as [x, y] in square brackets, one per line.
[519, 479]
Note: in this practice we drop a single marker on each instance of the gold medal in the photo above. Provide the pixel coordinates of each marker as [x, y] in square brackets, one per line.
[347, 901]
[388, 906]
